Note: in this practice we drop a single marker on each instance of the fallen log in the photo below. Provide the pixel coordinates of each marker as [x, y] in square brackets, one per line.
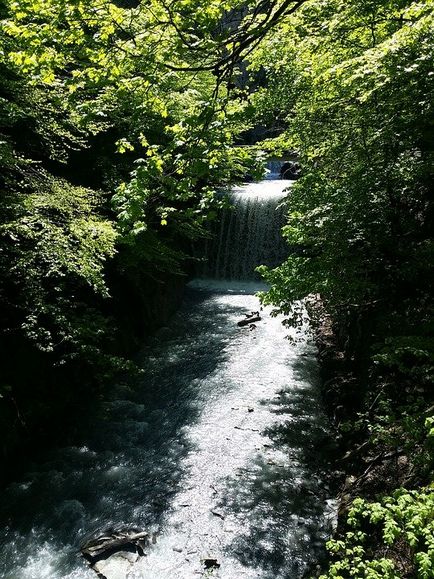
[248, 321]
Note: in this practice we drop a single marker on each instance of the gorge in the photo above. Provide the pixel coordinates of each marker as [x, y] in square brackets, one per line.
[217, 450]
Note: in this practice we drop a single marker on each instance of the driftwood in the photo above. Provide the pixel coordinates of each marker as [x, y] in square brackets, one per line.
[249, 320]
[105, 546]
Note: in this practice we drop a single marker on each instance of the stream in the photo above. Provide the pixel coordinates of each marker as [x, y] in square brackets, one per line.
[219, 448]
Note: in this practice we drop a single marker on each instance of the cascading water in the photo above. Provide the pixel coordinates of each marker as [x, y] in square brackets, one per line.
[273, 168]
[249, 233]
[219, 447]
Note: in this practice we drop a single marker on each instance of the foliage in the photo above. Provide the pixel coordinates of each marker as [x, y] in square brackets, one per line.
[116, 130]
[352, 85]
[406, 524]
[362, 211]
[119, 122]
[410, 356]
[54, 246]
[119, 67]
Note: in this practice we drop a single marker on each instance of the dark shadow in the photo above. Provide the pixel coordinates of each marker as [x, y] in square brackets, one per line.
[125, 462]
[282, 506]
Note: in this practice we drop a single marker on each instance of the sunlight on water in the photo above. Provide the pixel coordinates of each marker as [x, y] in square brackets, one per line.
[215, 449]
[272, 188]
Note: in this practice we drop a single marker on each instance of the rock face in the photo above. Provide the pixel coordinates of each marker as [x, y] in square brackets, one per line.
[290, 170]
[112, 555]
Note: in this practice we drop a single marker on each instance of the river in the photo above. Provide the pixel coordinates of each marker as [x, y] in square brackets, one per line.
[217, 448]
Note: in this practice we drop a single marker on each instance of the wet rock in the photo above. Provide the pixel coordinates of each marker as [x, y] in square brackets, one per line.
[116, 566]
[252, 314]
[106, 545]
[211, 563]
[249, 320]
[111, 555]
[290, 170]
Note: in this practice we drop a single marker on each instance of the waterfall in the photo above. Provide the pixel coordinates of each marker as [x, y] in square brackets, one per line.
[273, 168]
[249, 234]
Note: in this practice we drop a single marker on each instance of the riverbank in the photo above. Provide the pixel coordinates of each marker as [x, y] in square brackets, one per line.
[385, 450]
[48, 400]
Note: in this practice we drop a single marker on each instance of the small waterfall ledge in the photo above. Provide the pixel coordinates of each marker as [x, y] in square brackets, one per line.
[249, 234]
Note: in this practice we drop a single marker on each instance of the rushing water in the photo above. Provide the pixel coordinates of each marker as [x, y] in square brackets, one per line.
[218, 447]
[248, 234]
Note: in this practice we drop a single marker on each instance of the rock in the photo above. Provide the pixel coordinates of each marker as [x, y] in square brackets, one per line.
[123, 543]
[211, 563]
[252, 314]
[116, 566]
[349, 481]
[218, 514]
[290, 170]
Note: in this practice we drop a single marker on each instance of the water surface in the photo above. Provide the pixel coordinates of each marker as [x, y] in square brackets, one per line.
[218, 447]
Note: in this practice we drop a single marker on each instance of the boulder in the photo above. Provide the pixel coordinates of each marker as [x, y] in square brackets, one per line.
[106, 545]
[110, 554]
[116, 566]
[290, 170]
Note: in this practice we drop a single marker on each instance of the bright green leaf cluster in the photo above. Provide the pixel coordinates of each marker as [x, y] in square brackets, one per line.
[406, 523]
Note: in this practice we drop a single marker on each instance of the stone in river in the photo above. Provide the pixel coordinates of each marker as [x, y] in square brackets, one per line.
[116, 566]
[106, 545]
[210, 563]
